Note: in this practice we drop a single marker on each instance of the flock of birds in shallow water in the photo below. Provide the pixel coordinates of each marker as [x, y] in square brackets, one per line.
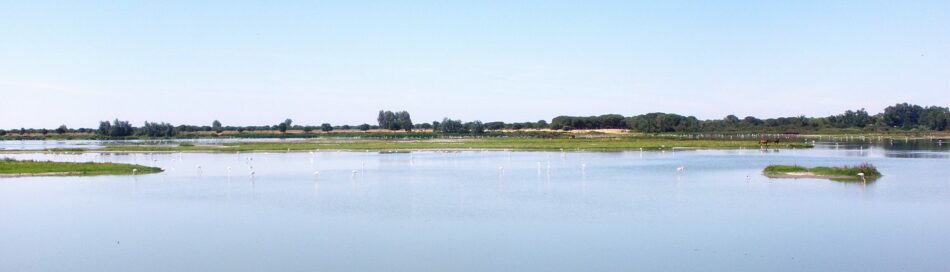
[355, 172]
[252, 173]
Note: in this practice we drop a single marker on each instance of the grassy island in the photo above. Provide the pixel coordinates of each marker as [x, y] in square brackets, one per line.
[16, 168]
[862, 172]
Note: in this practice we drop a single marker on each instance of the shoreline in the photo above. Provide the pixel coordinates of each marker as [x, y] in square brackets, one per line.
[592, 144]
[395, 150]
[45, 174]
[808, 175]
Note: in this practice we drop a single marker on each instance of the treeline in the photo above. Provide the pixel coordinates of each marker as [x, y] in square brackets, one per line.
[899, 117]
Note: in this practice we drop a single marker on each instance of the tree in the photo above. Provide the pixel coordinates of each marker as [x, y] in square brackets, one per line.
[283, 126]
[731, 120]
[404, 121]
[497, 125]
[307, 129]
[935, 118]
[383, 120]
[450, 126]
[157, 130]
[541, 124]
[749, 122]
[394, 121]
[104, 128]
[363, 127]
[325, 127]
[115, 129]
[61, 130]
[476, 127]
[387, 120]
[216, 126]
[902, 115]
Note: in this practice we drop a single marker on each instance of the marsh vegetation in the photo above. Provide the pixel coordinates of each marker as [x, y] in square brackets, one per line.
[12, 168]
[861, 172]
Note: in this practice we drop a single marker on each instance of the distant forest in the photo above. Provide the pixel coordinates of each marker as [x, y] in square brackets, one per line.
[902, 117]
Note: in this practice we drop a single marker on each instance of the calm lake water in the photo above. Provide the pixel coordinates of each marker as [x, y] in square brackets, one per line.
[483, 211]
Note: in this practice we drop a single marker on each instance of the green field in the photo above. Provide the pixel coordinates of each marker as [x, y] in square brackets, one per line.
[497, 143]
[844, 173]
[10, 167]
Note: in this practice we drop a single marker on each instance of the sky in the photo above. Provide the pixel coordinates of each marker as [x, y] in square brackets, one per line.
[258, 63]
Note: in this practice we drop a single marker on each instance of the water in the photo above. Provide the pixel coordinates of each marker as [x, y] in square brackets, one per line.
[482, 211]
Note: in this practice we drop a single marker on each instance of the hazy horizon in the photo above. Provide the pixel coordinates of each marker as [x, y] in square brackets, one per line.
[78, 63]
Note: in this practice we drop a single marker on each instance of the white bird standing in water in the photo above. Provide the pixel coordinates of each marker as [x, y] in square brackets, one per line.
[681, 168]
[134, 171]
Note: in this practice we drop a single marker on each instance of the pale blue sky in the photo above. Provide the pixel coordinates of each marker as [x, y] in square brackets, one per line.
[76, 62]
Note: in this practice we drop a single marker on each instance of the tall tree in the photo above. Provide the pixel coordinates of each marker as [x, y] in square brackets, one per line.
[216, 126]
[403, 121]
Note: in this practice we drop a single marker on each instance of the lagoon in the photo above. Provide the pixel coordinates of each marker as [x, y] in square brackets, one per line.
[482, 210]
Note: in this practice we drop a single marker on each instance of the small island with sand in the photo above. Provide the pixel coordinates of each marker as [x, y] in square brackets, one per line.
[862, 172]
[27, 168]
